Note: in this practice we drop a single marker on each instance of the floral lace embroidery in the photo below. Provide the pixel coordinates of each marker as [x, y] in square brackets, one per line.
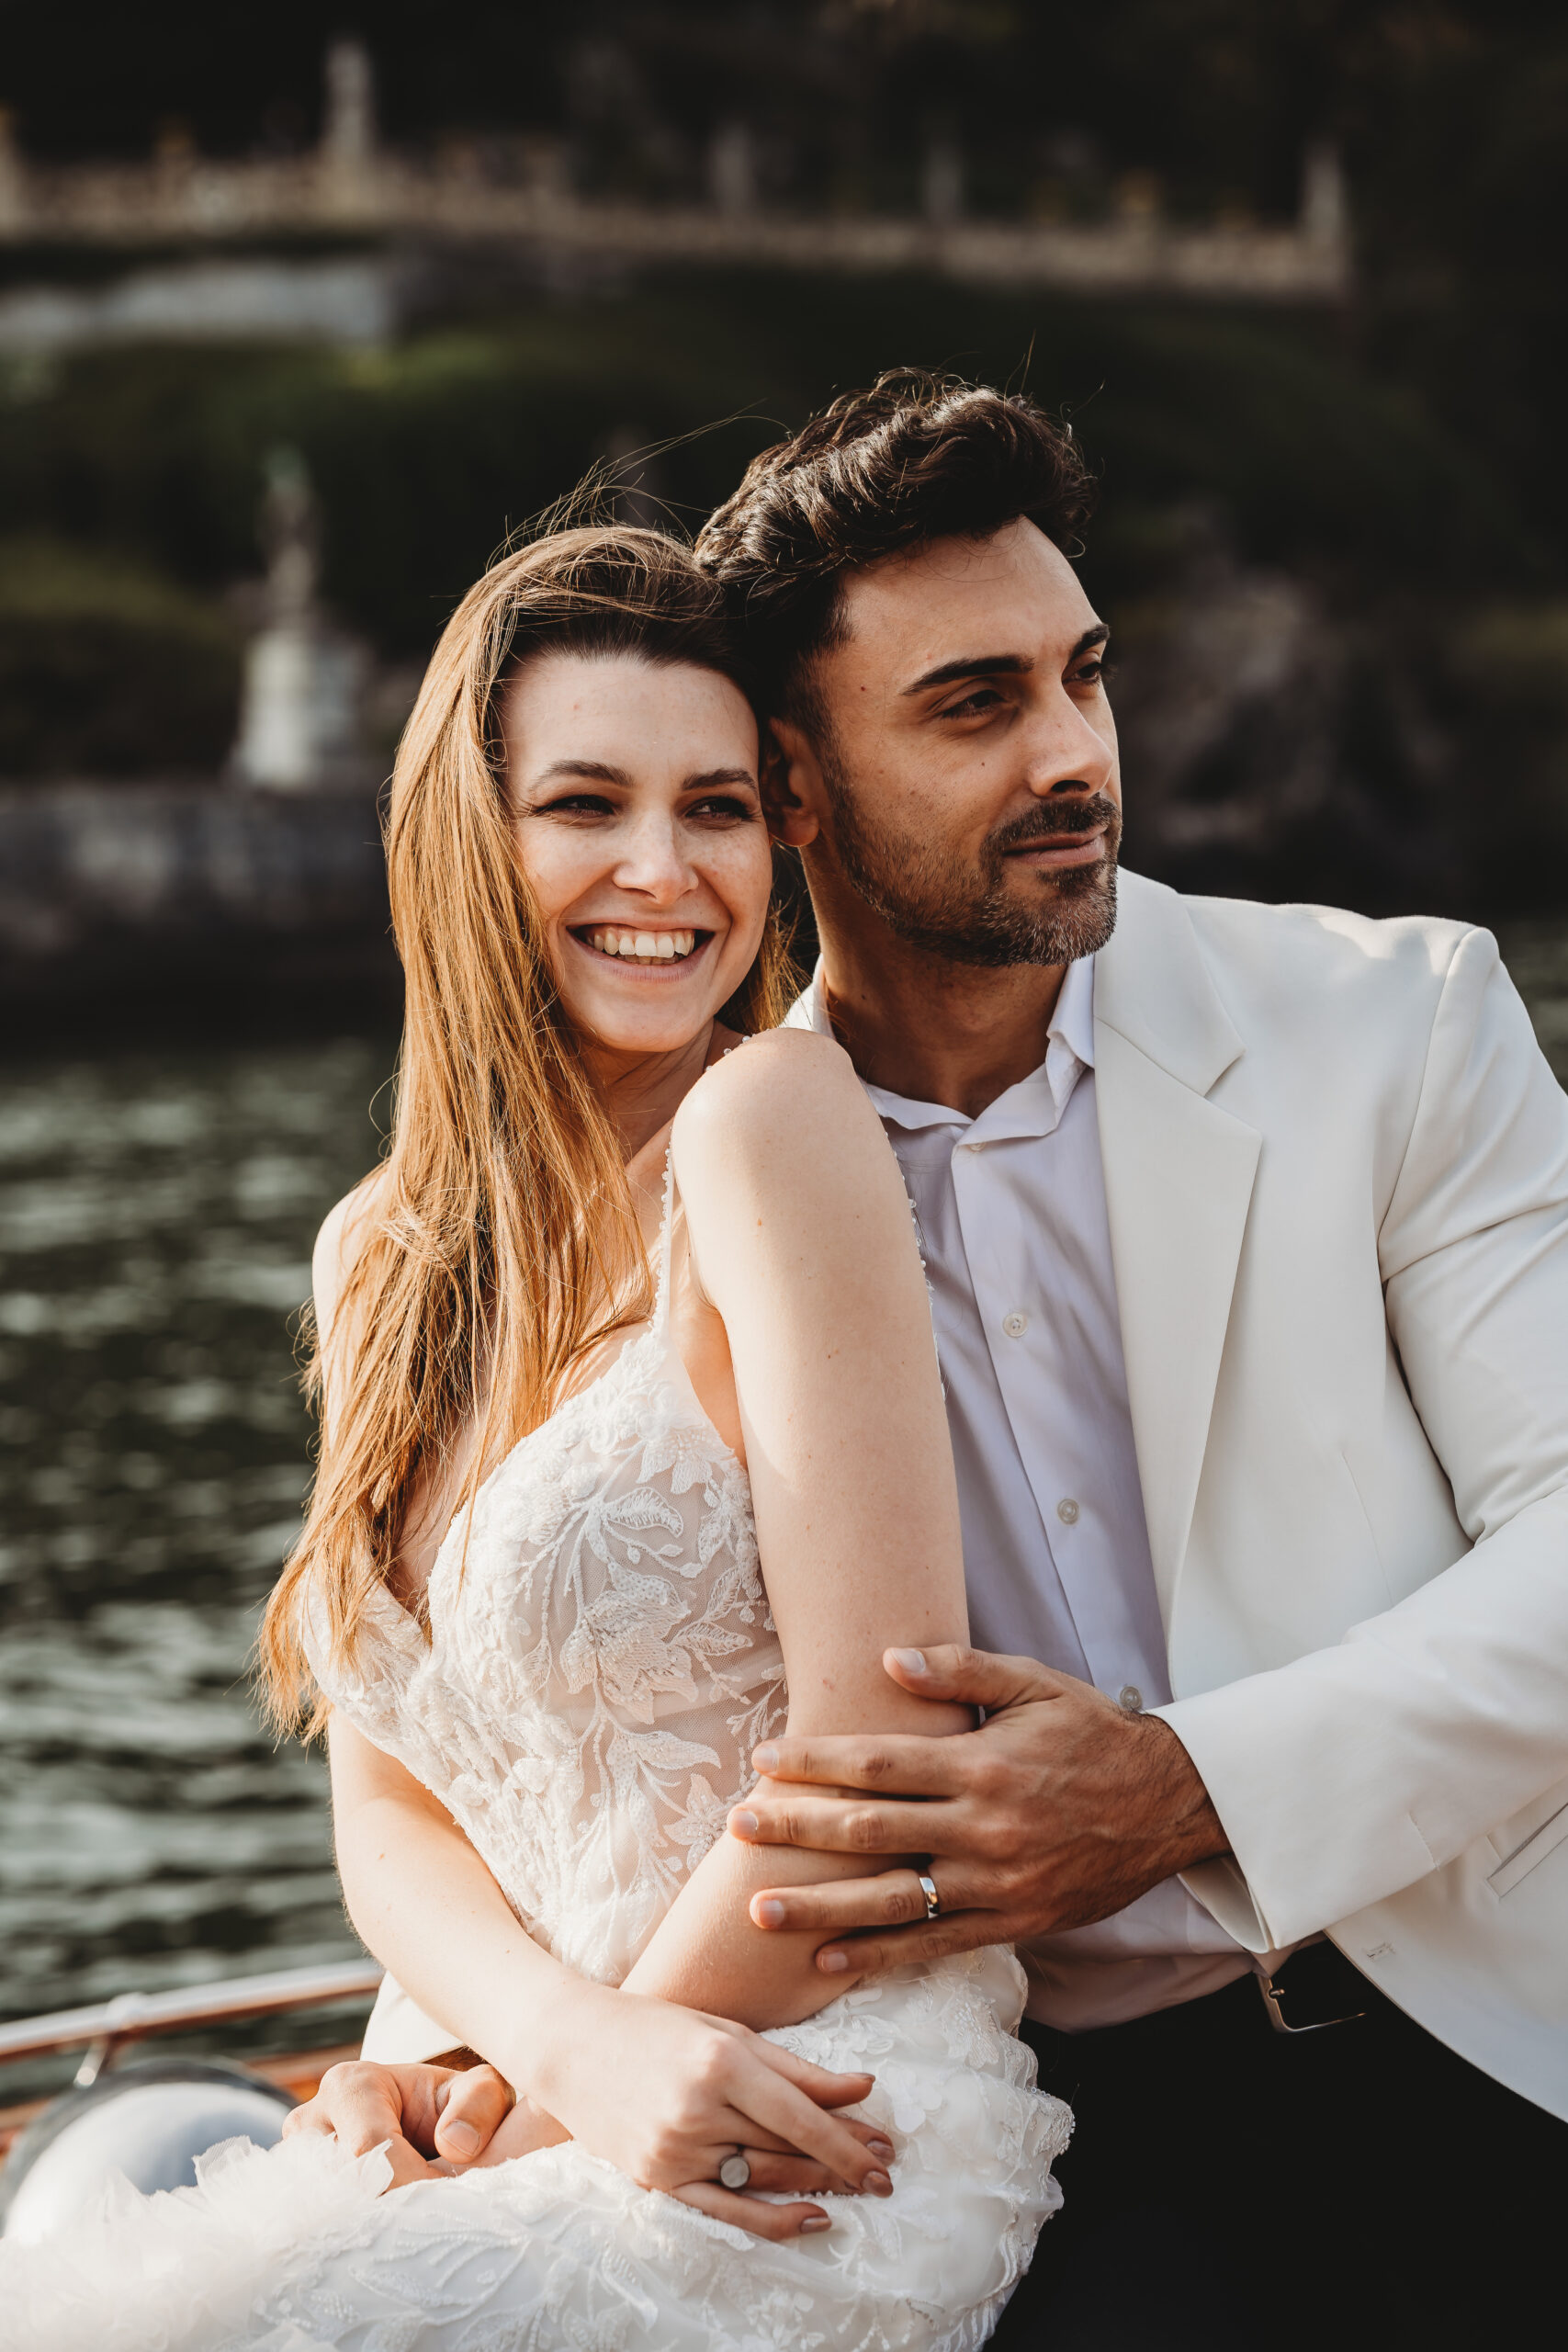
[601, 1661]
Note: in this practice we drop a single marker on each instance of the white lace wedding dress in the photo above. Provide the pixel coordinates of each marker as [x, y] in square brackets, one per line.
[600, 1662]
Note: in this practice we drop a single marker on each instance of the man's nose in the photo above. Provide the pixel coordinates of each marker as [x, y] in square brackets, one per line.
[1069, 756]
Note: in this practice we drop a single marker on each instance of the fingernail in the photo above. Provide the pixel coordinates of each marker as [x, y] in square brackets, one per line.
[815, 2222]
[832, 1963]
[912, 1661]
[879, 2184]
[460, 2139]
[883, 2148]
[769, 1915]
[744, 1824]
[765, 1759]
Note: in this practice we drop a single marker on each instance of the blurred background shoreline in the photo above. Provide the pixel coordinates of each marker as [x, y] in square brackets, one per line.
[299, 322]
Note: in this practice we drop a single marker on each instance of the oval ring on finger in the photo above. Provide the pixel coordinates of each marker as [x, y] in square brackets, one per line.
[928, 1888]
[735, 2172]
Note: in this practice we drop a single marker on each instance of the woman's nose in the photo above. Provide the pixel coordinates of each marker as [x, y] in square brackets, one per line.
[653, 862]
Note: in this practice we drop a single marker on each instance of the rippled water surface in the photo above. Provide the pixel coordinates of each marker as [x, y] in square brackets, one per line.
[156, 1214]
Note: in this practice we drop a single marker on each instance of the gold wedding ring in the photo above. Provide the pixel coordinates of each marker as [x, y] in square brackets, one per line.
[928, 1888]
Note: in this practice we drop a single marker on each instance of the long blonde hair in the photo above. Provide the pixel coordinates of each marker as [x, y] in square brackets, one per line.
[503, 1243]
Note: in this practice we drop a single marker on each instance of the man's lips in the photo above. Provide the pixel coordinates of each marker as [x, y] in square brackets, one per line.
[1052, 850]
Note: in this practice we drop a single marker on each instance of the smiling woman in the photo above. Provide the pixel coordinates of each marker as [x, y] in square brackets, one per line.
[557, 778]
[648, 857]
[627, 1314]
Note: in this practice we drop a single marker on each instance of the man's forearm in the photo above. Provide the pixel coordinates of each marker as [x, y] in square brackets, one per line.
[1171, 1816]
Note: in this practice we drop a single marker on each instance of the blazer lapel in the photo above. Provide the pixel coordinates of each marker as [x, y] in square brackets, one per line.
[1178, 1177]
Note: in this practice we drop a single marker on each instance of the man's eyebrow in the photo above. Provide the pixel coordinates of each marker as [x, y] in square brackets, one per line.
[999, 665]
[979, 666]
[597, 770]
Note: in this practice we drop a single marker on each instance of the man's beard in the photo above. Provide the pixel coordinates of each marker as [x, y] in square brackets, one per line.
[974, 917]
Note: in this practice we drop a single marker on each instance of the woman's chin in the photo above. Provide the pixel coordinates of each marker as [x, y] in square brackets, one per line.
[644, 1007]
[622, 1028]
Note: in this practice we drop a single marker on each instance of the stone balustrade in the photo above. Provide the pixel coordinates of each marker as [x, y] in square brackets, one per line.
[184, 199]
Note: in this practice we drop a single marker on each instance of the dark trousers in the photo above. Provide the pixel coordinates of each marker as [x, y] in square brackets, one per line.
[1229, 2185]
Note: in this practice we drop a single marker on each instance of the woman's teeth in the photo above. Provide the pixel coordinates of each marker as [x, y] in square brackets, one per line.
[644, 946]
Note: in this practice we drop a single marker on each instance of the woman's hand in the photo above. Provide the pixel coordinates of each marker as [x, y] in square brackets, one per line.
[416, 2113]
[666, 2094]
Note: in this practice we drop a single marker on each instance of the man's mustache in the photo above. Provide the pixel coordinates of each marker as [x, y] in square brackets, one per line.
[1051, 822]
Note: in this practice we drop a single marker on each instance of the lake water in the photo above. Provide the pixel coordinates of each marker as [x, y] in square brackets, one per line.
[156, 1214]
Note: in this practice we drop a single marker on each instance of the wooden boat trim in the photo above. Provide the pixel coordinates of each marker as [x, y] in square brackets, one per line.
[132, 2015]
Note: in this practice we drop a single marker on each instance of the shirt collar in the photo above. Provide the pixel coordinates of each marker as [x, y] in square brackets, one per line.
[1034, 1107]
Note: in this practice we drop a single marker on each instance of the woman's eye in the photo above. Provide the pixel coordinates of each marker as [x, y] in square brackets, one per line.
[578, 804]
[725, 805]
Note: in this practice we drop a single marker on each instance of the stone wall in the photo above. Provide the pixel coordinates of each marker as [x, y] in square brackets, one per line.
[107, 889]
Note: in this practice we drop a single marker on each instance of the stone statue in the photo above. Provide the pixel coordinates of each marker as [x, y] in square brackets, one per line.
[303, 681]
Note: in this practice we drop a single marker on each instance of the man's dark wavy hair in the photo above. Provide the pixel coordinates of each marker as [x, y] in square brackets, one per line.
[916, 457]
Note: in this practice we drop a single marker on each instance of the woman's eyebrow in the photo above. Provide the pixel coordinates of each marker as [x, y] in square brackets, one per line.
[598, 770]
[712, 777]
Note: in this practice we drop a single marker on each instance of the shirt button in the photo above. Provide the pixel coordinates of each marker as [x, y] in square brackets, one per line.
[1130, 1698]
[1067, 1511]
[1015, 1325]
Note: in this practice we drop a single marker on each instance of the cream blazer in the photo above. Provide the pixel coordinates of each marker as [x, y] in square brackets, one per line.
[1336, 1169]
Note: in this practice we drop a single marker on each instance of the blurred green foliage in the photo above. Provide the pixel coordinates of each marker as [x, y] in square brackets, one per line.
[135, 468]
[426, 456]
[1451, 116]
[1400, 465]
[106, 668]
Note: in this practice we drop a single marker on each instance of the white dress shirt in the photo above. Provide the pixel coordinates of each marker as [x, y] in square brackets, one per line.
[1010, 1211]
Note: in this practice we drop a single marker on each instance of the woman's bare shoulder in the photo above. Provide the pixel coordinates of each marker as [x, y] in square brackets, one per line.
[778, 1074]
[777, 1101]
[342, 1235]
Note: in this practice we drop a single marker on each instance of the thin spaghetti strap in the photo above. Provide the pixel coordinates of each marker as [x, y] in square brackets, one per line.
[667, 1220]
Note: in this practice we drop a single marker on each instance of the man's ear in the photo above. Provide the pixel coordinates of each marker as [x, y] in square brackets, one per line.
[790, 781]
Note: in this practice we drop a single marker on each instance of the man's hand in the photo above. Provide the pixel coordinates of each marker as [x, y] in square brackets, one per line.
[444, 2112]
[1061, 1809]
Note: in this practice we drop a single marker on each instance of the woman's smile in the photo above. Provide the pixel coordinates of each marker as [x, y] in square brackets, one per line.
[641, 946]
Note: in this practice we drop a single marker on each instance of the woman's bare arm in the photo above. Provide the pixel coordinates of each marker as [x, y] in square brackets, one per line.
[419, 1895]
[414, 1886]
[801, 1238]
[660, 2091]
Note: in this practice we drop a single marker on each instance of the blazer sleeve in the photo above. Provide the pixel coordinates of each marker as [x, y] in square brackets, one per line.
[1431, 1723]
